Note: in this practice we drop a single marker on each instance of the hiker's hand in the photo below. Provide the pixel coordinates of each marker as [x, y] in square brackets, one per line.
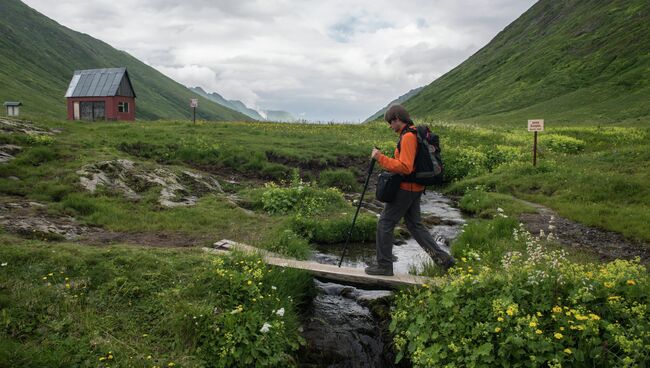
[375, 153]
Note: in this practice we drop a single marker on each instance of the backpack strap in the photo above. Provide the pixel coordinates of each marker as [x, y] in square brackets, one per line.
[408, 129]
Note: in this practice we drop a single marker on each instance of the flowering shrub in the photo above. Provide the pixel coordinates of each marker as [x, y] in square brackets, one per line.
[246, 327]
[541, 310]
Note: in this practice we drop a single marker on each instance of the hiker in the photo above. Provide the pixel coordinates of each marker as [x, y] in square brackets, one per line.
[407, 201]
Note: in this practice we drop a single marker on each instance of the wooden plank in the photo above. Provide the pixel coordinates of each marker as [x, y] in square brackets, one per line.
[325, 271]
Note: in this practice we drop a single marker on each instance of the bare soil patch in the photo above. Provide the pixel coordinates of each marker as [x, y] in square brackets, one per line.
[607, 245]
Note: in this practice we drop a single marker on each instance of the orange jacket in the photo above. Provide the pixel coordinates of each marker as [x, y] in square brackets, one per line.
[404, 161]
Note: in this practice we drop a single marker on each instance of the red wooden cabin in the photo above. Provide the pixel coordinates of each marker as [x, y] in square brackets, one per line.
[101, 94]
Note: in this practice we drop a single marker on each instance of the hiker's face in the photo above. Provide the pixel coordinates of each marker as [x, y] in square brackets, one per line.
[396, 125]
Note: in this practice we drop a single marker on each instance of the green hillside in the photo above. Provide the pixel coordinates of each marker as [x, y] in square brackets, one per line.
[570, 61]
[38, 57]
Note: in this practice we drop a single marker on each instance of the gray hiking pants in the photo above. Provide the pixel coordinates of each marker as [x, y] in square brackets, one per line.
[407, 205]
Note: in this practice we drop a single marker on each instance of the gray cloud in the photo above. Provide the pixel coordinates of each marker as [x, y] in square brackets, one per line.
[323, 60]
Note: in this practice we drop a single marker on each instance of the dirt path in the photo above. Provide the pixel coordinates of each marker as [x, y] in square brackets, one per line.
[607, 245]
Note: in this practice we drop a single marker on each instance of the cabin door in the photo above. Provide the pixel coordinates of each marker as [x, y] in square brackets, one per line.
[92, 111]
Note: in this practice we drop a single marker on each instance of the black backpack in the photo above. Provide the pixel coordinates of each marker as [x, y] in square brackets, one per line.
[429, 168]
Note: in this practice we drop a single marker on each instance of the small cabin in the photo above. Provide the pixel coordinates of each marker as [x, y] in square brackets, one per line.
[101, 94]
[12, 108]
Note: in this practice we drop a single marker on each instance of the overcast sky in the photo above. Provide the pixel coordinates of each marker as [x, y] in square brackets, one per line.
[318, 59]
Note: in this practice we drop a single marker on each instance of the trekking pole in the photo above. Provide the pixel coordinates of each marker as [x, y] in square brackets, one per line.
[365, 186]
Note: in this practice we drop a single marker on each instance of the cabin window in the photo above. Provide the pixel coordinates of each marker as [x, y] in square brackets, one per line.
[123, 107]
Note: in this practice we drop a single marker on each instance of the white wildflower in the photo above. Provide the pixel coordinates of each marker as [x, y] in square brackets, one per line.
[500, 210]
[273, 287]
[280, 312]
[4, 264]
[265, 327]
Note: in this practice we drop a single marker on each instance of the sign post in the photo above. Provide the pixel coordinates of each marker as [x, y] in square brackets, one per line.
[535, 126]
[194, 103]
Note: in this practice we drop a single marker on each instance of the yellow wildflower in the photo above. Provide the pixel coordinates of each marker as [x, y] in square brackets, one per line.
[171, 364]
[532, 324]
[631, 282]
[539, 314]
[539, 332]
[557, 309]
[594, 317]
[497, 330]
[568, 351]
[558, 335]
[609, 285]
[250, 282]
[500, 319]
[101, 359]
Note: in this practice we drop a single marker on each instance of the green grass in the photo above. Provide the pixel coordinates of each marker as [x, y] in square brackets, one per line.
[64, 305]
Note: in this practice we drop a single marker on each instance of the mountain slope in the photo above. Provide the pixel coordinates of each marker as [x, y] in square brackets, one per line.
[399, 100]
[573, 60]
[232, 104]
[38, 57]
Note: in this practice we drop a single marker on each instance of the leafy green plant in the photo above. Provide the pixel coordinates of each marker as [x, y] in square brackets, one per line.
[464, 161]
[541, 310]
[563, 144]
[299, 198]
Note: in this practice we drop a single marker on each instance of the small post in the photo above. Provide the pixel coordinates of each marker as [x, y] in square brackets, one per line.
[535, 150]
[535, 126]
[194, 103]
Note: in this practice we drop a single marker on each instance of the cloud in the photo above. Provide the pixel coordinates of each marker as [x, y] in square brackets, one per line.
[323, 60]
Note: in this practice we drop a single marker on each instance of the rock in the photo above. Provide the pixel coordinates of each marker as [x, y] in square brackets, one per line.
[8, 151]
[178, 188]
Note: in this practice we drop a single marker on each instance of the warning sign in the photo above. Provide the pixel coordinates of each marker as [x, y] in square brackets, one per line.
[536, 125]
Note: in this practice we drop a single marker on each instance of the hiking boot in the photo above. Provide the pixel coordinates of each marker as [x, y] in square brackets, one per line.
[378, 270]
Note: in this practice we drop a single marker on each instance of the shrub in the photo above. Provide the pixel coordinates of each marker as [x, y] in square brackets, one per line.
[461, 162]
[539, 310]
[499, 155]
[299, 198]
[341, 178]
[562, 143]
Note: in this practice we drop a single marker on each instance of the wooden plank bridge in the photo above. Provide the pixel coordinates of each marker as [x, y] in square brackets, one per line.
[323, 271]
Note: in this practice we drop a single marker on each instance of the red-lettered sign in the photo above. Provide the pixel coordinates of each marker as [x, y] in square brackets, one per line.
[536, 125]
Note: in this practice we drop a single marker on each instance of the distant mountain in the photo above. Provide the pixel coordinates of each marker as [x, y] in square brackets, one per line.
[232, 104]
[264, 115]
[38, 57]
[571, 60]
[279, 115]
[400, 100]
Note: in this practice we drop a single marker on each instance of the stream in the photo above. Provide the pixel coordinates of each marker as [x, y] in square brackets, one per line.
[346, 325]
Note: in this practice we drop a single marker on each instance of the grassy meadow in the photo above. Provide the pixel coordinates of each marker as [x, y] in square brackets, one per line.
[66, 303]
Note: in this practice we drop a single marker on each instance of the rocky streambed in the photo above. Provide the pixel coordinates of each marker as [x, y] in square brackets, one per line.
[346, 326]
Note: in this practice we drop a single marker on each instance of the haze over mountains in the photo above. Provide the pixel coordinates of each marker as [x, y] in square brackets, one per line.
[38, 57]
[269, 115]
[575, 60]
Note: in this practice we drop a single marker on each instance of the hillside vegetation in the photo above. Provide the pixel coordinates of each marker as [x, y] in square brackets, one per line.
[38, 57]
[565, 61]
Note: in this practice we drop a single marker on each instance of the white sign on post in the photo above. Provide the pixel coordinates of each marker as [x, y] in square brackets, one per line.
[536, 125]
[194, 102]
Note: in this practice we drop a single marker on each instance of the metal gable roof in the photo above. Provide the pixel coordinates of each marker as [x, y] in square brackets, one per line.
[97, 82]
